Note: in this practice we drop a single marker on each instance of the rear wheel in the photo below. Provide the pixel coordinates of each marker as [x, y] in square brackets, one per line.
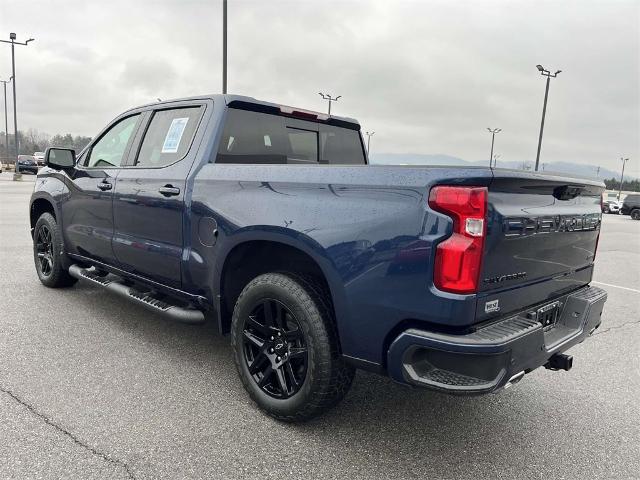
[635, 213]
[47, 253]
[286, 347]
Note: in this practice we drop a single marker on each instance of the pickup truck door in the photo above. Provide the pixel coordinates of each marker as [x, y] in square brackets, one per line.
[87, 212]
[149, 199]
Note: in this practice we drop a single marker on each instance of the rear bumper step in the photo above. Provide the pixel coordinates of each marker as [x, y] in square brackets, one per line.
[147, 300]
[496, 355]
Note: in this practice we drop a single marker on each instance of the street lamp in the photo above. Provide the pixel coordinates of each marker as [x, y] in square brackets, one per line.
[545, 73]
[13, 42]
[326, 96]
[6, 121]
[224, 46]
[495, 159]
[493, 137]
[369, 135]
[624, 162]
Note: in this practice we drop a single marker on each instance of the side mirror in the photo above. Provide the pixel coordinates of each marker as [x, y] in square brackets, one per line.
[60, 158]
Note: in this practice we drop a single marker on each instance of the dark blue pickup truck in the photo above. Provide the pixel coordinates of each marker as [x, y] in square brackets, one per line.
[268, 221]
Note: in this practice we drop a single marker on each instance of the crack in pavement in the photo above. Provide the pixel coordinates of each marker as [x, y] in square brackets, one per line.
[65, 432]
[615, 327]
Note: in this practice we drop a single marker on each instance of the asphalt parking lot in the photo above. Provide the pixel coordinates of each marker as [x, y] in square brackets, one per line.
[94, 387]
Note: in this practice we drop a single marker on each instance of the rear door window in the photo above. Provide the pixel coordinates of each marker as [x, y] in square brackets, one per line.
[168, 136]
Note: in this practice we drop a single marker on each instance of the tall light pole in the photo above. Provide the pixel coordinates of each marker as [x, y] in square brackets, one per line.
[624, 162]
[12, 41]
[224, 46]
[493, 137]
[495, 159]
[545, 73]
[369, 135]
[326, 96]
[6, 120]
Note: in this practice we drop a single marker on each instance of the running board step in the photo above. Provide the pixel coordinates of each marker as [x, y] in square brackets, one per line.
[174, 312]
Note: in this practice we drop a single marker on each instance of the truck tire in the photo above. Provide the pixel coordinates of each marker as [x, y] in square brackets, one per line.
[286, 347]
[635, 214]
[47, 253]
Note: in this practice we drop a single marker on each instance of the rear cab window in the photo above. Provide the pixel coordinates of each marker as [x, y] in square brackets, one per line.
[340, 146]
[303, 145]
[263, 138]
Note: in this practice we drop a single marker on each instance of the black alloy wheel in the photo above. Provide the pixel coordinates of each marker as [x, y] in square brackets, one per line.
[274, 349]
[48, 254]
[44, 250]
[286, 346]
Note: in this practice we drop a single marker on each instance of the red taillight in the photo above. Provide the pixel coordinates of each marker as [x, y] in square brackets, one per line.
[459, 258]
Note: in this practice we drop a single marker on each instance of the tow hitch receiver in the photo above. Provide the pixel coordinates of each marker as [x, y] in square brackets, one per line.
[560, 361]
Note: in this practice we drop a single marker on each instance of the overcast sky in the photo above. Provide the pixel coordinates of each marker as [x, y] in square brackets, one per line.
[427, 77]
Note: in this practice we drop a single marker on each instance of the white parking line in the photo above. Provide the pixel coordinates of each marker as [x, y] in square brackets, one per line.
[616, 286]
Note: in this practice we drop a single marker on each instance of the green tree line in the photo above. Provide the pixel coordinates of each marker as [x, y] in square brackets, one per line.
[33, 141]
[627, 185]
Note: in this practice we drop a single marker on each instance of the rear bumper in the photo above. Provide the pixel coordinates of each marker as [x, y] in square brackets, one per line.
[28, 168]
[485, 360]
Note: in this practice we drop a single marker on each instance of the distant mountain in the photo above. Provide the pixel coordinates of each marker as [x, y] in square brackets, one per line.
[581, 170]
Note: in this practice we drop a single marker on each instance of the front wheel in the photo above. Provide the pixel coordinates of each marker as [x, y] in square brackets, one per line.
[47, 253]
[286, 347]
[635, 214]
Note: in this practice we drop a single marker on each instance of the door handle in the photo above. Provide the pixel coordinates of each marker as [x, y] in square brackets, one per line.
[104, 185]
[169, 191]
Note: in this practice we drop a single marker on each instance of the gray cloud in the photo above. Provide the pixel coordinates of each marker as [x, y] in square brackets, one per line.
[148, 75]
[428, 77]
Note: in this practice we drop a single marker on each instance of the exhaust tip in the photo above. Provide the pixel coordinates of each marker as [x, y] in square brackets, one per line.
[514, 379]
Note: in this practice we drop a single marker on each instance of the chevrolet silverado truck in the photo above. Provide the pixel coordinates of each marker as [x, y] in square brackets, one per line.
[269, 221]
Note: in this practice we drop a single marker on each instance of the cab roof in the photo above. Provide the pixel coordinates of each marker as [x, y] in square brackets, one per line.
[250, 103]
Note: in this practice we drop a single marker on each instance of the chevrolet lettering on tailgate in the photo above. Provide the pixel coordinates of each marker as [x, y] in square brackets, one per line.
[521, 226]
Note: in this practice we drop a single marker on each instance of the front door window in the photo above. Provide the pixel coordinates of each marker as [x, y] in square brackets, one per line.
[110, 150]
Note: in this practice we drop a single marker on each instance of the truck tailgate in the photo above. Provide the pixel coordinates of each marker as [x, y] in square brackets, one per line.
[541, 239]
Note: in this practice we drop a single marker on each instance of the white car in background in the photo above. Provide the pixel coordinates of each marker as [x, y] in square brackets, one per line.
[611, 206]
[39, 156]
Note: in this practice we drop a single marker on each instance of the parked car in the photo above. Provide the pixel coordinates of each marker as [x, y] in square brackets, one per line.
[631, 206]
[268, 221]
[39, 156]
[611, 206]
[26, 163]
